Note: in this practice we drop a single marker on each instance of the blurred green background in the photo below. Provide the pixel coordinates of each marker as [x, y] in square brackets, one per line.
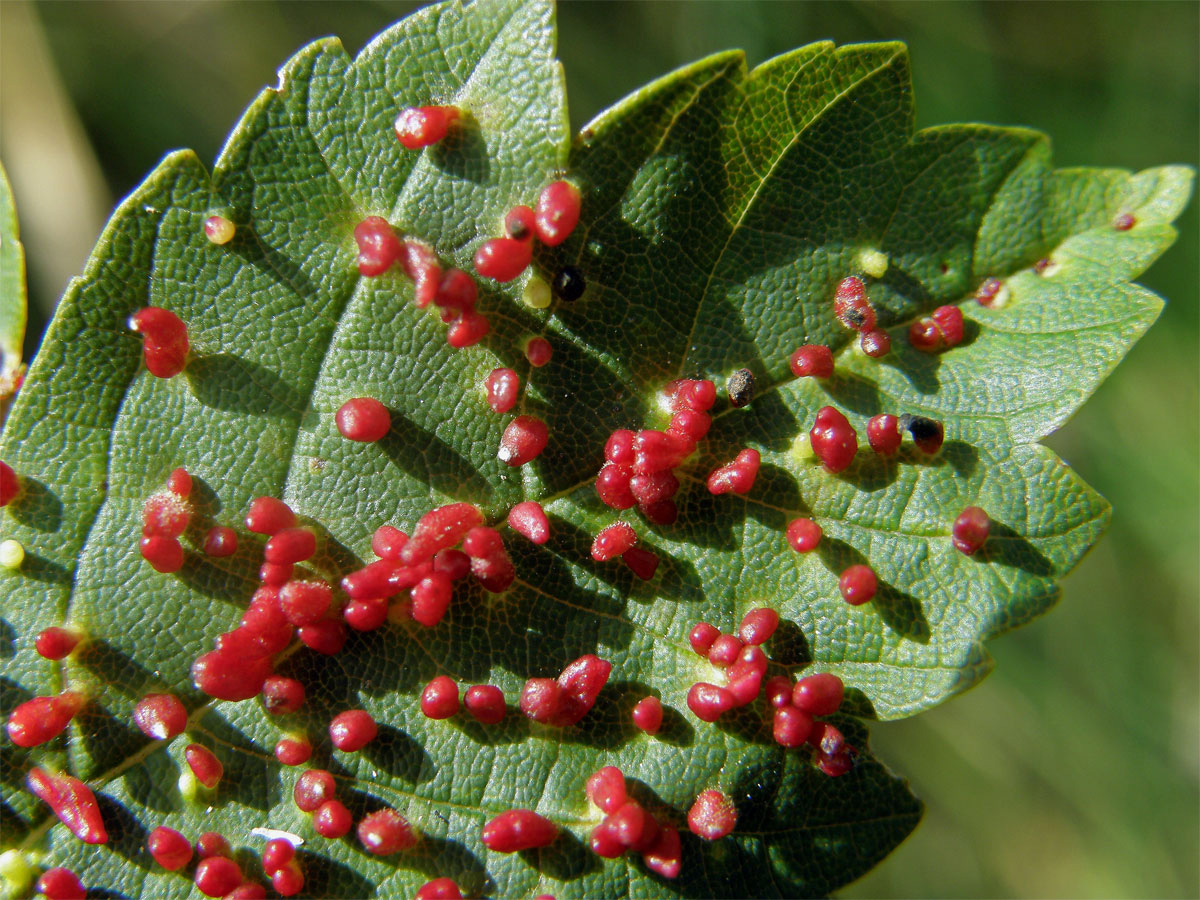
[1073, 770]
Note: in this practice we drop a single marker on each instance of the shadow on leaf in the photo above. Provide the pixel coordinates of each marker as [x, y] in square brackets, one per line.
[237, 385]
[36, 506]
[1008, 548]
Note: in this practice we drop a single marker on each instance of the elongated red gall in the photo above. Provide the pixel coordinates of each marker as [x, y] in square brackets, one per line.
[439, 889]
[529, 519]
[758, 625]
[288, 879]
[304, 602]
[791, 726]
[164, 340]
[612, 541]
[708, 701]
[212, 843]
[71, 801]
[468, 330]
[580, 682]
[291, 545]
[42, 719]
[503, 386]
[665, 857]
[165, 514]
[702, 637]
[217, 876]
[523, 440]
[204, 765]
[557, 212]
[503, 259]
[57, 642]
[641, 562]
[518, 829]
[165, 554]
[228, 676]
[160, 716]
[606, 789]
[439, 529]
[851, 306]
[277, 853]
[613, 486]
[725, 650]
[940, 330]
[60, 883]
[736, 477]
[378, 247]
[10, 485]
[282, 695]
[293, 750]
[170, 849]
[423, 126]
[778, 691]
[385, 832]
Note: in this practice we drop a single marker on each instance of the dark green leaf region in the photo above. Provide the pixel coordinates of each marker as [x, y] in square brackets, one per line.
[722, 211]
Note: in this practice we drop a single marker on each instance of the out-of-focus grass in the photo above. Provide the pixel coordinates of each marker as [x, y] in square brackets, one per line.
[1072, 771]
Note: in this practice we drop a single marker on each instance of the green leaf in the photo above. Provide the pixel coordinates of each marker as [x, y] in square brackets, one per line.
[13, 299]
[721, 207]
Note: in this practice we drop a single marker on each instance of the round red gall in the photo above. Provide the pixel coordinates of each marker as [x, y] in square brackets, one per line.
[812, 361]
[332, 819]
[352, 730]
[858, 584]
[648, 715]
[803, 535]
[363, 419]
[970, 530]
[439, 700]
[712, 816]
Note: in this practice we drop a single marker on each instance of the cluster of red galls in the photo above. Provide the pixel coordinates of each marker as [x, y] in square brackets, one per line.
[795, 707]
[639, 466]
[503, 259]
[940, 330]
